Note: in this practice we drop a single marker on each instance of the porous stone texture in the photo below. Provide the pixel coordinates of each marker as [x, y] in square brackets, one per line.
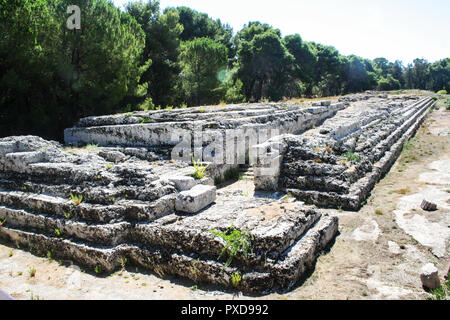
[337, 164]
[128, 211]
[429, 276]
[195, 199]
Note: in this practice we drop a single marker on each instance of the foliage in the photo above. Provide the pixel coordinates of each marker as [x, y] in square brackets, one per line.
[201, 61]
[236, 240]
[76, 199]
[199, 170]
[52, 76]
[351, 156]
[236, 279]
[264, 63]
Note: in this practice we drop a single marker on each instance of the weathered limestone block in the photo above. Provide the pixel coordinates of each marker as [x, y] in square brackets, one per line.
[195, 199]
[430, 277]
[183, 183]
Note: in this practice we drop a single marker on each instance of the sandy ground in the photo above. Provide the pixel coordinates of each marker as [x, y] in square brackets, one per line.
[377, 255]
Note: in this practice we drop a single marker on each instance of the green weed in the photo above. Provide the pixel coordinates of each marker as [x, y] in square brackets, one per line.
[76, 199]
[199, 170]
[236, 240]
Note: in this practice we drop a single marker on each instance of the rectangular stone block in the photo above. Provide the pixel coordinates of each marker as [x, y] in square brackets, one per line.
[196, 199]
[183, 183]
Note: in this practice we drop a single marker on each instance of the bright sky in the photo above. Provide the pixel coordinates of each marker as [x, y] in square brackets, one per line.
[394, 29]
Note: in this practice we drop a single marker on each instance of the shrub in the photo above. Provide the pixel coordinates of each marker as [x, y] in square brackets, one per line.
[442, 92]
[200, 170]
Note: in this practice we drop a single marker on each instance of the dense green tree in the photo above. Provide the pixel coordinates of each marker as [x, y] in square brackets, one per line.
[202, 61]
[358, 75]
[162, 41]
[265, 64]
[200, 25]
[382, 64]
[329, 71]
[305, 63]
[52, 76]
[388, 83]
[439, 75]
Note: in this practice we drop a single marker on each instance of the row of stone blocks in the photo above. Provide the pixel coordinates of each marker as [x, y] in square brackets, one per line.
[128, 210]
[163, 128]
[338, 164]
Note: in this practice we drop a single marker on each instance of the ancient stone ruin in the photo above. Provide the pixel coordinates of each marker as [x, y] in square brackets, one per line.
[128, 199]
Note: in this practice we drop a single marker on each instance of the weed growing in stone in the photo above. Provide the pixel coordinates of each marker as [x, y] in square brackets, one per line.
[2, 222]
[123, 262]
[217, 180]
[238, 241]
[67, 215]
[145, 120]
[57, 232]
[236, 279]
[32, 272]
[98, 269]
[76, 199]
[351, 156]
[199, 170]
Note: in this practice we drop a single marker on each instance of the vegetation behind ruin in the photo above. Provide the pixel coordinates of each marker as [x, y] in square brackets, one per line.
[145, 58]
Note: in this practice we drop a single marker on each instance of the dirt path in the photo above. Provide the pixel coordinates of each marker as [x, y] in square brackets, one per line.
[378, 254]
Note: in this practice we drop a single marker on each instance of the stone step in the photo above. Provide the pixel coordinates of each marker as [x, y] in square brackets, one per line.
[99, 234]
[359, 190]
[93, 194]
[121, 210]
[193, 233]
[273, 275]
